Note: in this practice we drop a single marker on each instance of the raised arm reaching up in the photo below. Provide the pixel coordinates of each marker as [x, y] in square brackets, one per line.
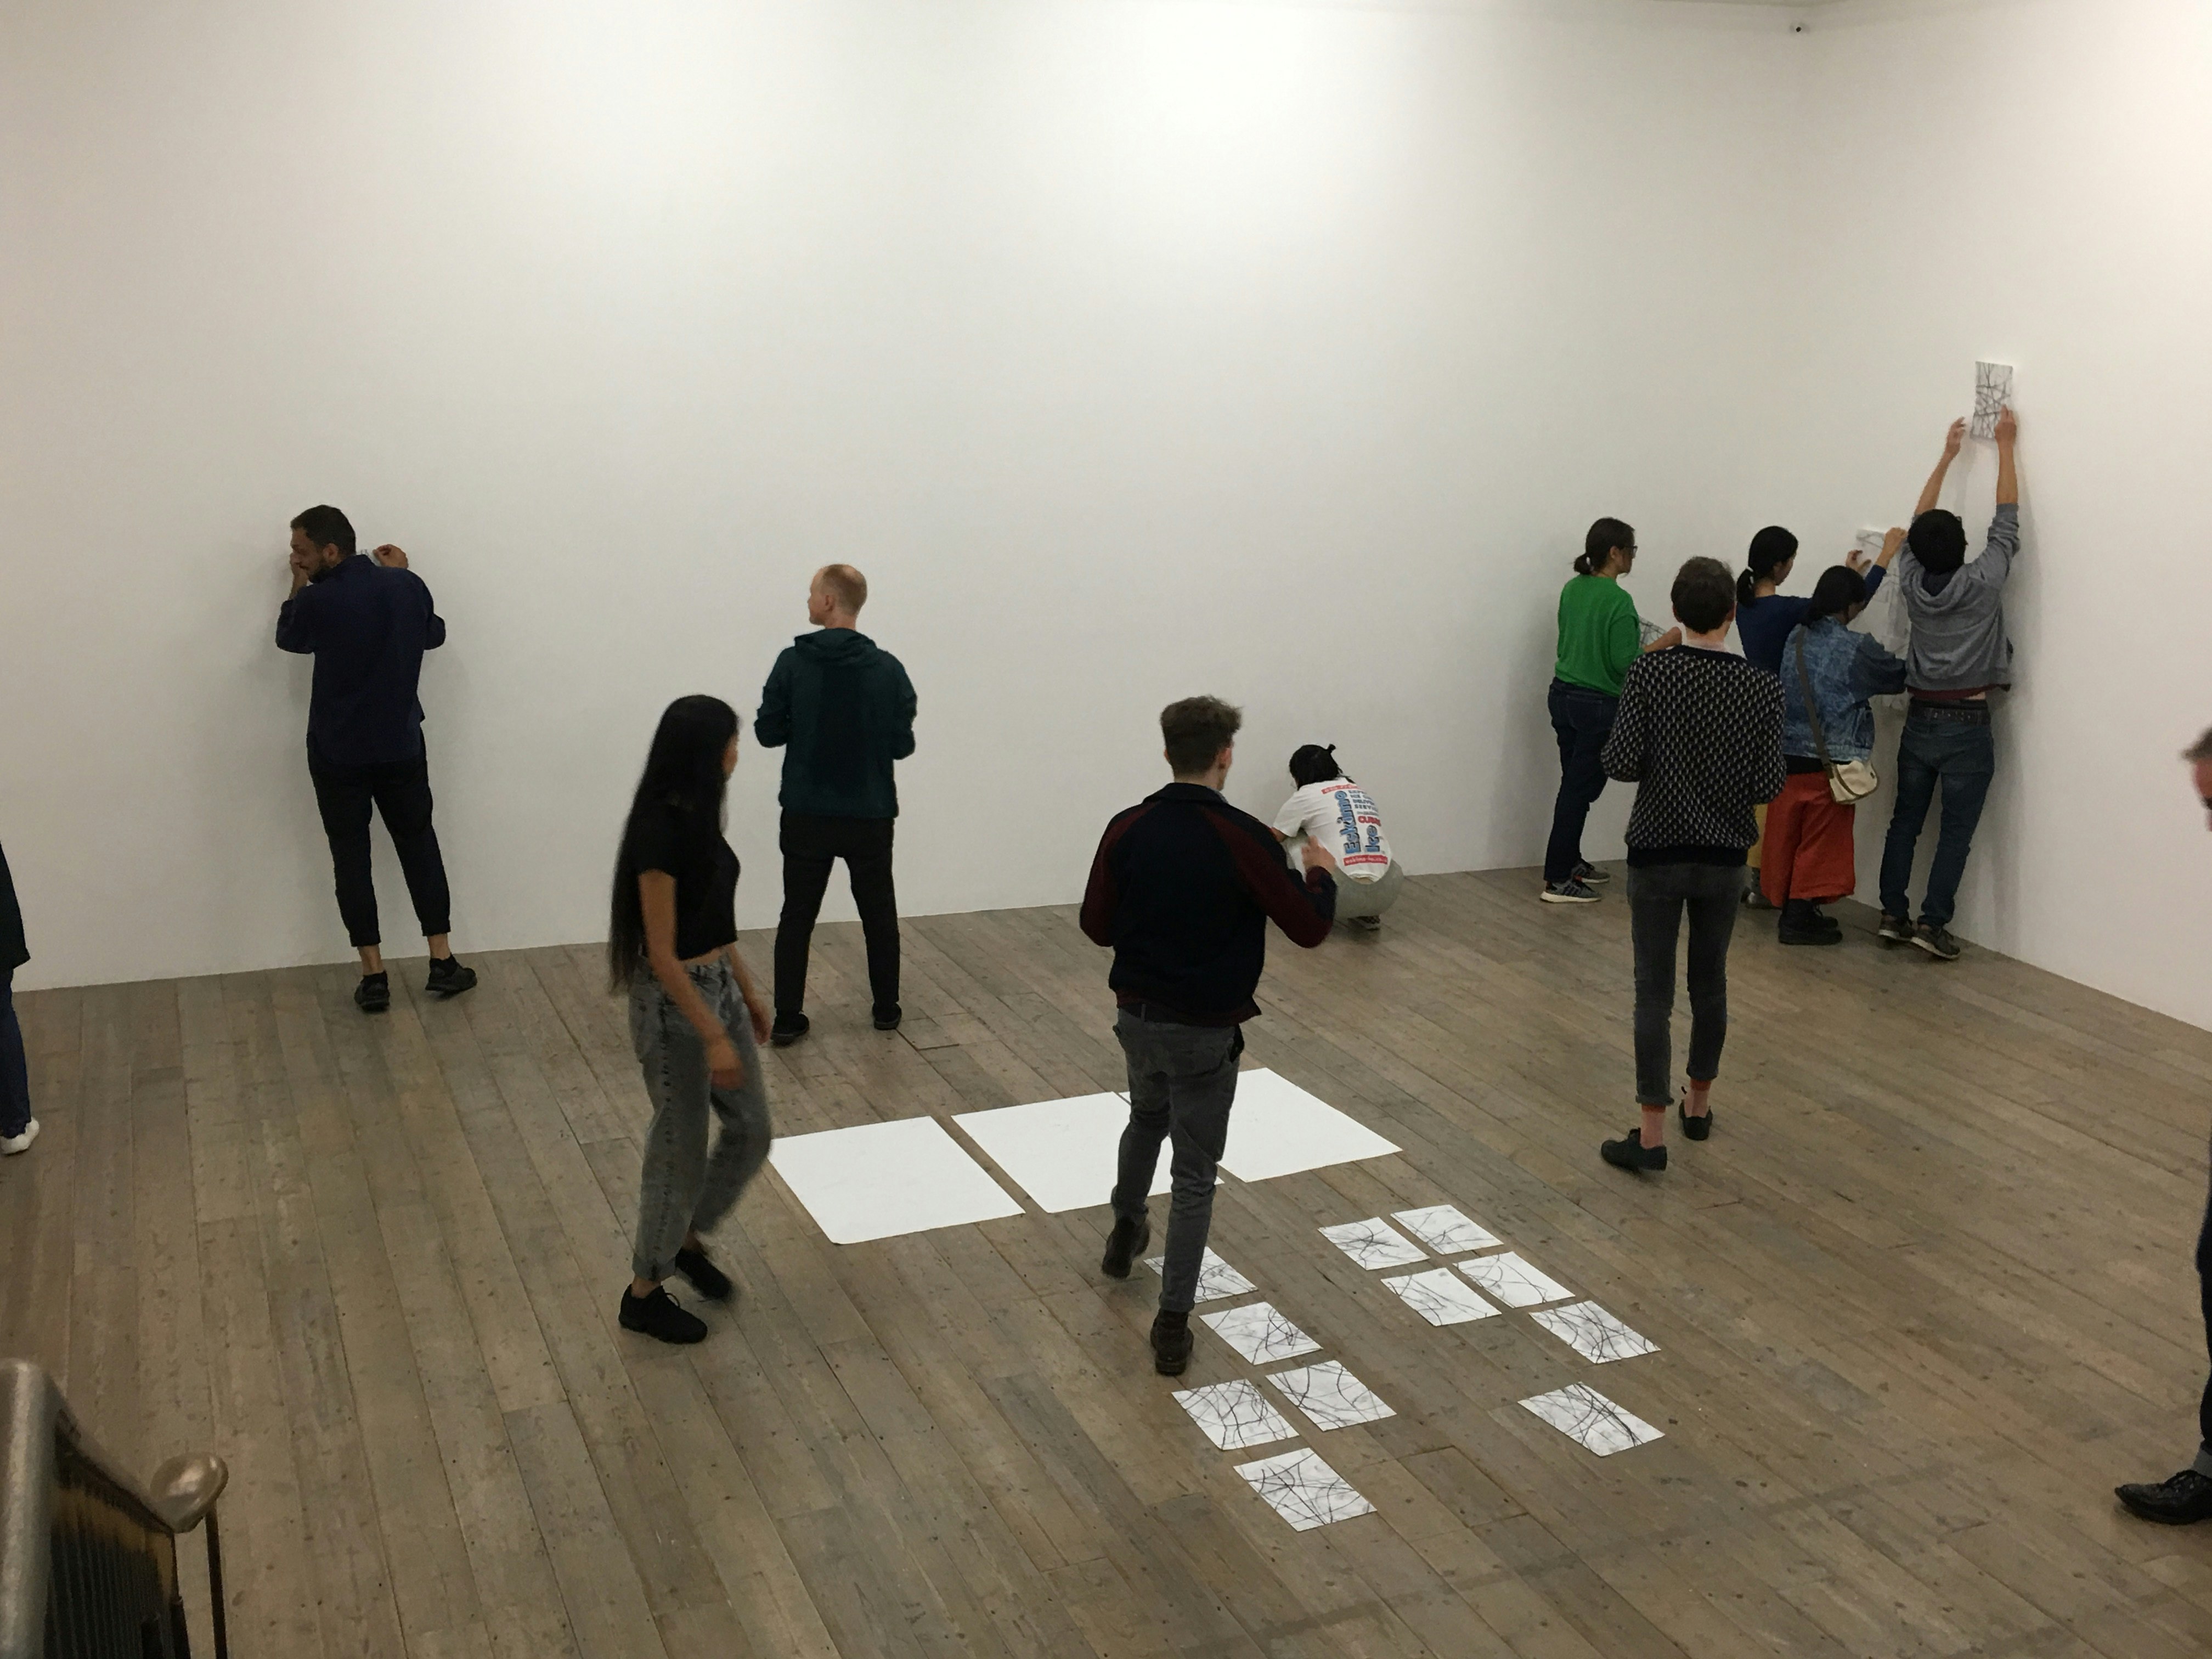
[1952, 440]
[2008, 433]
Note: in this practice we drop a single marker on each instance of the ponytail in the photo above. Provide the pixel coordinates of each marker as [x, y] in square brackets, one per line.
[1771, 549]
[1598, 545]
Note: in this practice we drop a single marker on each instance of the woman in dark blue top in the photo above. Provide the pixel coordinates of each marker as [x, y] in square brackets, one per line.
[1763, 622]
[1764, 617]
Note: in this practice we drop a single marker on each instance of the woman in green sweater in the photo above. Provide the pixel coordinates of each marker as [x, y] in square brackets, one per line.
[1600, 636]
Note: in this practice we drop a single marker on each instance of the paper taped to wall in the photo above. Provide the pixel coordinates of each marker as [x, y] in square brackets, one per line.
[1992, 393]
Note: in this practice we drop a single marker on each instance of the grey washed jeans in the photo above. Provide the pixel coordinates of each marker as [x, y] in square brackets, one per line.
[684, 1186]
[1182, 1080]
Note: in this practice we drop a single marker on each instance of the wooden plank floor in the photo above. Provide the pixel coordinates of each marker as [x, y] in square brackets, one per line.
[1923, 1297]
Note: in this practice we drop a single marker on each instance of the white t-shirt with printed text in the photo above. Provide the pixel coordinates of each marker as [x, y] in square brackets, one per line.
[1342, 817]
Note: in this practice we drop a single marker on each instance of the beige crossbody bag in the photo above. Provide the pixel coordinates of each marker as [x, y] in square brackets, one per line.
[1854, 780]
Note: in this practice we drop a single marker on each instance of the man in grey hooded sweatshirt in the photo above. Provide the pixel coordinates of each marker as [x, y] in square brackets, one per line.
[1960, 653]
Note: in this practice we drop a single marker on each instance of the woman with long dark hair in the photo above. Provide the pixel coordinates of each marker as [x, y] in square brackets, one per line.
[697, 1018]
[1599, 635]
[1810, 859]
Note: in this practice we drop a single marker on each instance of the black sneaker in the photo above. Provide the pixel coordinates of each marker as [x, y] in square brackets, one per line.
[887, 1019]
[1801, 924]
[1894, 930]
[1936, 941]
[659, 1316]
[788, 1028]
[1822, 919]
[1590, 875]
[1698, 1128]
[706, 1277]
[1170, 1342]
[373, 994]
[1130, 1235]
[1630, 1152]
[448, 978]
[1567, 892]
[2176, 1501]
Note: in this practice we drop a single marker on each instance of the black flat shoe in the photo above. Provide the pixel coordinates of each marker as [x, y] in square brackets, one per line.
[448, 978]
[1630, 1152]
[1696, 1128]
[706, 1277]
[788, 1030]
[887, 1019]
[660, 1316]
[373, 994]
[2176, 1501]
[1129, 1236]
[1170, 1343]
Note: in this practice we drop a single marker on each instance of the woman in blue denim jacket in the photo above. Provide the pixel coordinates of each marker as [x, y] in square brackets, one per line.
[1810, 861]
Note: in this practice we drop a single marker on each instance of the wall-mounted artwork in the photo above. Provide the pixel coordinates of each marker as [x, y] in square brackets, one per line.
[1992, 391]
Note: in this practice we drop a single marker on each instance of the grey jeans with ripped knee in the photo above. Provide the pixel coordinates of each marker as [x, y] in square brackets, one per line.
[684, 1187]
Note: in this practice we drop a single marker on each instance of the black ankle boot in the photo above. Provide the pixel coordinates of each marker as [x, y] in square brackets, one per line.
[1803, 924]
[1170, 1342]
[1130, 1235]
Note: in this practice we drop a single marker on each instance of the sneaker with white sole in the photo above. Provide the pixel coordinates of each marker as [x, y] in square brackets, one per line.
[1590, 876]
[1567, 892]
[10, 1144]
[1936, 941]
[1894, 930]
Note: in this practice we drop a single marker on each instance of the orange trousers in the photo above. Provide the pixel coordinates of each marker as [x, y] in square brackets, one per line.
[1807, 853]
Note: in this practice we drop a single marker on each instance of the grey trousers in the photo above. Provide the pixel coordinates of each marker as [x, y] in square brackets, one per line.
[683, 1186]
[1182, 1081]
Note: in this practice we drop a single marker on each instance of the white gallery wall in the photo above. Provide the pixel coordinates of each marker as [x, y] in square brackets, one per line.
[1134, 348]
[2028, 182]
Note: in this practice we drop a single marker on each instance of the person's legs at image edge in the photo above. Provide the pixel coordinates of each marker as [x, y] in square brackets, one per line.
[15, 1067]
[2186, 1496]
[805, 879]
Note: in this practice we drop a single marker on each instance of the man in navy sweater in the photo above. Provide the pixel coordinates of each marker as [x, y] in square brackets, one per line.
[1182, 888]
[367, 619]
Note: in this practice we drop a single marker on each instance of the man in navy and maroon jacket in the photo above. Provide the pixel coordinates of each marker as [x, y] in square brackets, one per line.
[1182, 888]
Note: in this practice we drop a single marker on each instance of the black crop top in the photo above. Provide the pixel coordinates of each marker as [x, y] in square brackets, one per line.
[688, 846]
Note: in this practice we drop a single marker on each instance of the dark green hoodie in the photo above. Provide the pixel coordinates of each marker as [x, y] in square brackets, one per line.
[845, 709]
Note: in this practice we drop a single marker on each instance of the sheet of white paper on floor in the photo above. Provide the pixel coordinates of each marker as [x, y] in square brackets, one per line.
[1234, 1415]
[1514, 1282]
[1277, 1128]
[1259, 1332]
[1372, 1243]
[1330, 1396]
[1441, 1297]
[1582, 1414]
[1304, 1491]
[1216, 1277]
[880, 1180]
[1061, 1153]
[1594, 1334]
[1446, 1230]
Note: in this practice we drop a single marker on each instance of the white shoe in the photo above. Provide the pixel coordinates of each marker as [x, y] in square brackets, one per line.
[20, 1143]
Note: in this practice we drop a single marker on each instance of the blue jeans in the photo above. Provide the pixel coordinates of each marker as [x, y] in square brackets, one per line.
[1956, 747]
[1583, 720]
[15, 1073]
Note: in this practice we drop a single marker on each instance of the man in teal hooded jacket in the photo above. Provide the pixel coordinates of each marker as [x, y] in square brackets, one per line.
[845, 708]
